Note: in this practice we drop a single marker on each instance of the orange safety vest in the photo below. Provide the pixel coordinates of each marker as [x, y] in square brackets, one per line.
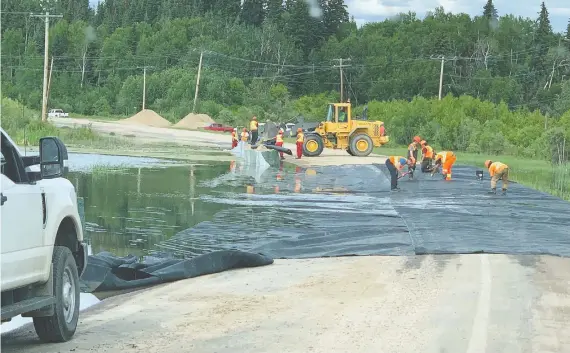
[300, 137]
[253, 125]
[444, 155]
[234, 138]
[244, 136]
[396, 161]
[497, 167]
[279, 138]
[428, 153]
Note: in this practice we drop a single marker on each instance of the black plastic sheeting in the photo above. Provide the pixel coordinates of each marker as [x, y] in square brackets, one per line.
[345, 210]
[105, 271]
[349, 210]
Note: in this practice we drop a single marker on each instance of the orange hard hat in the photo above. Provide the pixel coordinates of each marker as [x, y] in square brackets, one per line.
[423, 142]
[417, 139]
[299, 130]
[244, 129]
[488, 163]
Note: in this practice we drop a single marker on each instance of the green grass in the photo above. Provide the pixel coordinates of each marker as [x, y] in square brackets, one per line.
[26, 128]
[537, 174]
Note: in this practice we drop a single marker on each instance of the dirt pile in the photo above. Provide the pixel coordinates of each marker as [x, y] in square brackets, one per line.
[146, 117]
[194, 121]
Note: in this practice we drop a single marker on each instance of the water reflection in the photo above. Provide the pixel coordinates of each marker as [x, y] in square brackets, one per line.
[131, 210]
[136, 210]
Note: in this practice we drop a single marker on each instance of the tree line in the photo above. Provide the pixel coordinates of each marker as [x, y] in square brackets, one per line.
[276, 59]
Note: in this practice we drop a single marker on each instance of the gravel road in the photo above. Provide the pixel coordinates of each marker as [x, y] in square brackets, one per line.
[149, 134]
[457, 303]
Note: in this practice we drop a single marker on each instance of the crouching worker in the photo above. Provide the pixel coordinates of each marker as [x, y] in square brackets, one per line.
[427, 157]
[394, 165]
[279, 142]
[445, 161]
[498, 171]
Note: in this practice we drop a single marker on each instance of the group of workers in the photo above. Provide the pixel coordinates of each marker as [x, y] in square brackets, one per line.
[433, 162]
[253, 130]
[244, 136]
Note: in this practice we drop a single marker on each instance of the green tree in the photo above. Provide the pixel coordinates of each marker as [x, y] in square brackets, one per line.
[489, 11]
[542, 39]
[335, 14]
[253, 12]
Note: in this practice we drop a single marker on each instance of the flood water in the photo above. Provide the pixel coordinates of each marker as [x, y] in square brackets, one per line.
[134, 206]
[130, 209]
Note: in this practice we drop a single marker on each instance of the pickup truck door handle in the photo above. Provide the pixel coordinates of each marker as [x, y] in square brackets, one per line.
[4, 198]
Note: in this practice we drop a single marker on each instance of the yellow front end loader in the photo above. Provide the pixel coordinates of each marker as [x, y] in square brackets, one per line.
[340, 131]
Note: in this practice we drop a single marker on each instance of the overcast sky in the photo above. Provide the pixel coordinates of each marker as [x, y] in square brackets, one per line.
[378, 10]
[374, 10]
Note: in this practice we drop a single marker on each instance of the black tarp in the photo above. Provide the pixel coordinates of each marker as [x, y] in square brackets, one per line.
[106, 271]
[349, 210]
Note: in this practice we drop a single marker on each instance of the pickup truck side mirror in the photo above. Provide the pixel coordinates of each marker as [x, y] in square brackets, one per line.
[53, 153]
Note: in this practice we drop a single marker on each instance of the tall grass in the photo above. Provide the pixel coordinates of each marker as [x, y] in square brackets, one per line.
[25, 126]
[537, 174]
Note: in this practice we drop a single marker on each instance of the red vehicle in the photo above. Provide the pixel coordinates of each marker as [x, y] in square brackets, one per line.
[219, 127]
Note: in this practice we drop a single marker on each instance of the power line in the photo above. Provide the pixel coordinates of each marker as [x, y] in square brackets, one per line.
[442, 58]
[340, 67]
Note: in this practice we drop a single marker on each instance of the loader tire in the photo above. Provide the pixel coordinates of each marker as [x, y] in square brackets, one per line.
[313, 146]
[361, 145]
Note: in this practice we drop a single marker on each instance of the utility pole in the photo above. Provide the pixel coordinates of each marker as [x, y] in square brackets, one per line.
[340, 66]
[144, 85]
[197, 82]
[49, 78]
[442, 58]
[46, 17]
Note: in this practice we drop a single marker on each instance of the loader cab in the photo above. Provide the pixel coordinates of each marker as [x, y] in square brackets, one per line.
[338, 113]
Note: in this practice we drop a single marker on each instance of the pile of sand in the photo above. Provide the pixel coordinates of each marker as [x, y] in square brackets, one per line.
[194, 121]
[146, 117]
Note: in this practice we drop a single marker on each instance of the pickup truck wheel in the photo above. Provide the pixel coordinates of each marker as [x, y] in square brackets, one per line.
[61, 326]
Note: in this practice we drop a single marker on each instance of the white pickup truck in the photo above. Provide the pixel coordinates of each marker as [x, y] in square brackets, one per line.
[43, 253]
[57, 113]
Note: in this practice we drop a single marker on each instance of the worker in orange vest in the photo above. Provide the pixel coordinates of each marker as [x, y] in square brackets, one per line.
[394, 165]
[300, 140]
[253, 125]
[427, 157]
[244, 135]
[279, 142]
[498, 171]
[445, 161]
[234, 138]
[413, 155]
